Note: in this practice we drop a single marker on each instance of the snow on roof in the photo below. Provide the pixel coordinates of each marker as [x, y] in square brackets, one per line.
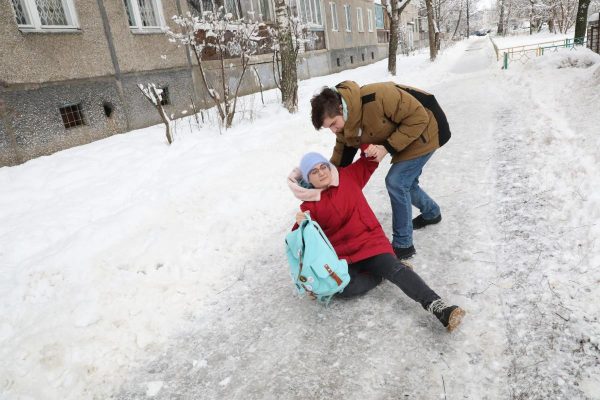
[594, 17]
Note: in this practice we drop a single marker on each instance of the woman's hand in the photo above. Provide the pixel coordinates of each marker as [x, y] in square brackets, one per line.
[300, 217]
[376, 151]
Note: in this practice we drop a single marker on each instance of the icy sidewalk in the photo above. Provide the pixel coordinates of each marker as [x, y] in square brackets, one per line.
[492, 254]
[383, 345]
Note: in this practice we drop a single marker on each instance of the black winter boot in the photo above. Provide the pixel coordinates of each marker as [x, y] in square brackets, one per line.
[421, 222]
[402, 253]
[449, 316]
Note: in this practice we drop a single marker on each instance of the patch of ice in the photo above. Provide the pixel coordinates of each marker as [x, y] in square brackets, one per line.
[152, 388]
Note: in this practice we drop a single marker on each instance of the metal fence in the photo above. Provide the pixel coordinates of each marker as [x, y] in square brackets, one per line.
[527, 52]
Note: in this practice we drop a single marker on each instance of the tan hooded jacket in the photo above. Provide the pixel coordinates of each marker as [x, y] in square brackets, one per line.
[384, 114]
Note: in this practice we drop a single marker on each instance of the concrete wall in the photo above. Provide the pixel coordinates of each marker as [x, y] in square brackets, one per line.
[32, 124]
[341, 39]
[35, 57]
[144, 51]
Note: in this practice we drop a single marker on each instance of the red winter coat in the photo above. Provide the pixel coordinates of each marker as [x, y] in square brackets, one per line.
[346, 218]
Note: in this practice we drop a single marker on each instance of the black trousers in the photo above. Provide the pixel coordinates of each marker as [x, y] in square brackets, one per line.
[367, 274]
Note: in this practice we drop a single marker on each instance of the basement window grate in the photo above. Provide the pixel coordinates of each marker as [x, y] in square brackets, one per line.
[72, 116]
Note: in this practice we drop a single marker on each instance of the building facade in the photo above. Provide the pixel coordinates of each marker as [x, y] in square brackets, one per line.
[70, 69]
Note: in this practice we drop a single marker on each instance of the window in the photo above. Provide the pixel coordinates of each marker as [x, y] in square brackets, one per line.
[348, 18]
[370, 19]
[38, 15]
[197, 7]
[233, 7]
[255, 10]
[309, 11]
[379, 20]
[144, 15]
[359, 20]
[334, 17]
[72, 116]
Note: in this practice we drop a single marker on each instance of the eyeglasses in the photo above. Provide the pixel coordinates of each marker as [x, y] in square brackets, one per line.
[315, 171]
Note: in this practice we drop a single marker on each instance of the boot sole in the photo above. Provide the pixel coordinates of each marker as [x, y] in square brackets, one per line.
[455, 319]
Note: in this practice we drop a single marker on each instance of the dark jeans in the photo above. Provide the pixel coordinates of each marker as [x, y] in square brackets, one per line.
[366, 274]
[402, 182]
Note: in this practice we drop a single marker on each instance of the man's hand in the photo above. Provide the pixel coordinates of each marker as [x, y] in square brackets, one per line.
[377, 151]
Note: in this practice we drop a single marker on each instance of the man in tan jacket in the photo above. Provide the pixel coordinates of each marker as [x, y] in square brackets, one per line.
[406, 123]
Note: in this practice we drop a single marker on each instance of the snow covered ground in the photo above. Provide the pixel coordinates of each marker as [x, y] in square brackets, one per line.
[504, 42]
[132, 269]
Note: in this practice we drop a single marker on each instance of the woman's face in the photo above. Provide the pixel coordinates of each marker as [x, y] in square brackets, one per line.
[320, 176]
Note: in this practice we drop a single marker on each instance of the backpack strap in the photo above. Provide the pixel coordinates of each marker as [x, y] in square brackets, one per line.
[318, 228]
[316, 225]
[335, 276]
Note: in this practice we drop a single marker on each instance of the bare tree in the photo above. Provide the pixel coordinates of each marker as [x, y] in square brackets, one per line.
[394, 10]
[433, 45]
[155, 97]
[501, 26]
[581, 20]
[289, 34]
[468, 18]
[460, 11]
[218, 33]
[566, 11]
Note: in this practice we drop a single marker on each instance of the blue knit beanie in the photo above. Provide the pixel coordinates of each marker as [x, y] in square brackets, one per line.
[308, 162]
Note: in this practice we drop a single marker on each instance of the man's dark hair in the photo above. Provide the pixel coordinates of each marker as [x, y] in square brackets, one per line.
[325, 104]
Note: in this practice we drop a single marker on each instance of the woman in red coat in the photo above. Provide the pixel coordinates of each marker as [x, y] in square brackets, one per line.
[336, 201]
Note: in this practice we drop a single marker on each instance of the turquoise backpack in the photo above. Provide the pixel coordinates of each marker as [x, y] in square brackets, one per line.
[314, 266]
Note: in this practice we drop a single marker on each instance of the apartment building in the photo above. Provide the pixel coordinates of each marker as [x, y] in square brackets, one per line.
[70, 69]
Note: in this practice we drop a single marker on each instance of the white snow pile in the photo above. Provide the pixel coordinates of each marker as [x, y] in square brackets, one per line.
[567, 58]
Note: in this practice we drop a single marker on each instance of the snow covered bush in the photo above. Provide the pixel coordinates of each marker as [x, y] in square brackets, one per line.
[217, 35]
[154, 95]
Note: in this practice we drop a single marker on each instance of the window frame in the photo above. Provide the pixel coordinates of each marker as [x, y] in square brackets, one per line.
[370, 19]
[310, 13]
[360, 22]
[335, 26]
[379, 12]
[348, 15]
[35, 23]
[137, 18]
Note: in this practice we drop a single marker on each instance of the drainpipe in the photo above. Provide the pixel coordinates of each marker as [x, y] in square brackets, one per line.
[114, 59]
